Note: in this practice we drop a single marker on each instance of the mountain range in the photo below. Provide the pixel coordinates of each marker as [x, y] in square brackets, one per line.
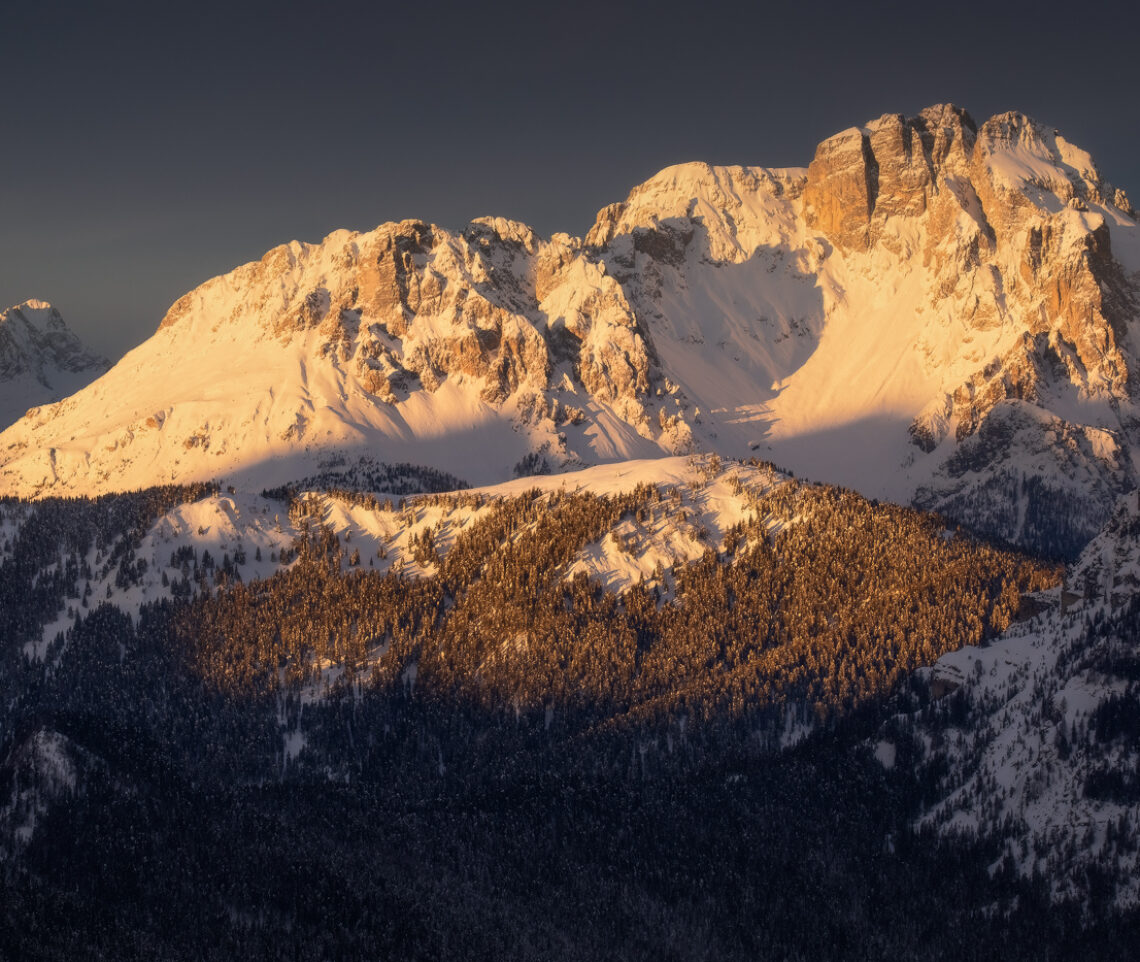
[930, 311]
[428, 588]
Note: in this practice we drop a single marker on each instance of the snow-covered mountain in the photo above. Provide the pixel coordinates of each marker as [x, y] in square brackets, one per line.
[930, 311]
[41, 359]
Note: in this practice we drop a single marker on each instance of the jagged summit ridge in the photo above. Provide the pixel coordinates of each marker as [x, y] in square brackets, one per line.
[931, 310]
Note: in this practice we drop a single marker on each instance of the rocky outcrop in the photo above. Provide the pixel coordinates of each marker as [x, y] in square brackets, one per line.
[894, 167]
[42, 768]
[841, 190]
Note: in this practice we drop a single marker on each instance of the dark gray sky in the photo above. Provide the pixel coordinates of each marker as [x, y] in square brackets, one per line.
[149, 147]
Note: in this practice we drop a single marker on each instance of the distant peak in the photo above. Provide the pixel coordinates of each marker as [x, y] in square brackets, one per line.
[35, 312]
[35, 305]
[35, 338]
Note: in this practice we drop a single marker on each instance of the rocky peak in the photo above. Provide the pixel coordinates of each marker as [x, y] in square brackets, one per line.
[902, 169]
[891, 168]
[734, 209]
[41, 359]
[504, 231]
[948, 135]
[35, 340]
[605, 225]
[1023, 169]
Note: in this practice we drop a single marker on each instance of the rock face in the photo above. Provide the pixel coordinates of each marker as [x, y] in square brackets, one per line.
[41, 360]
[861, 178]
[931, 311]
[841, 190]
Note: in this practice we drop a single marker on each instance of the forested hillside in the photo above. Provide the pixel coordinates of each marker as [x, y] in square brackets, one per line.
[462, 741]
